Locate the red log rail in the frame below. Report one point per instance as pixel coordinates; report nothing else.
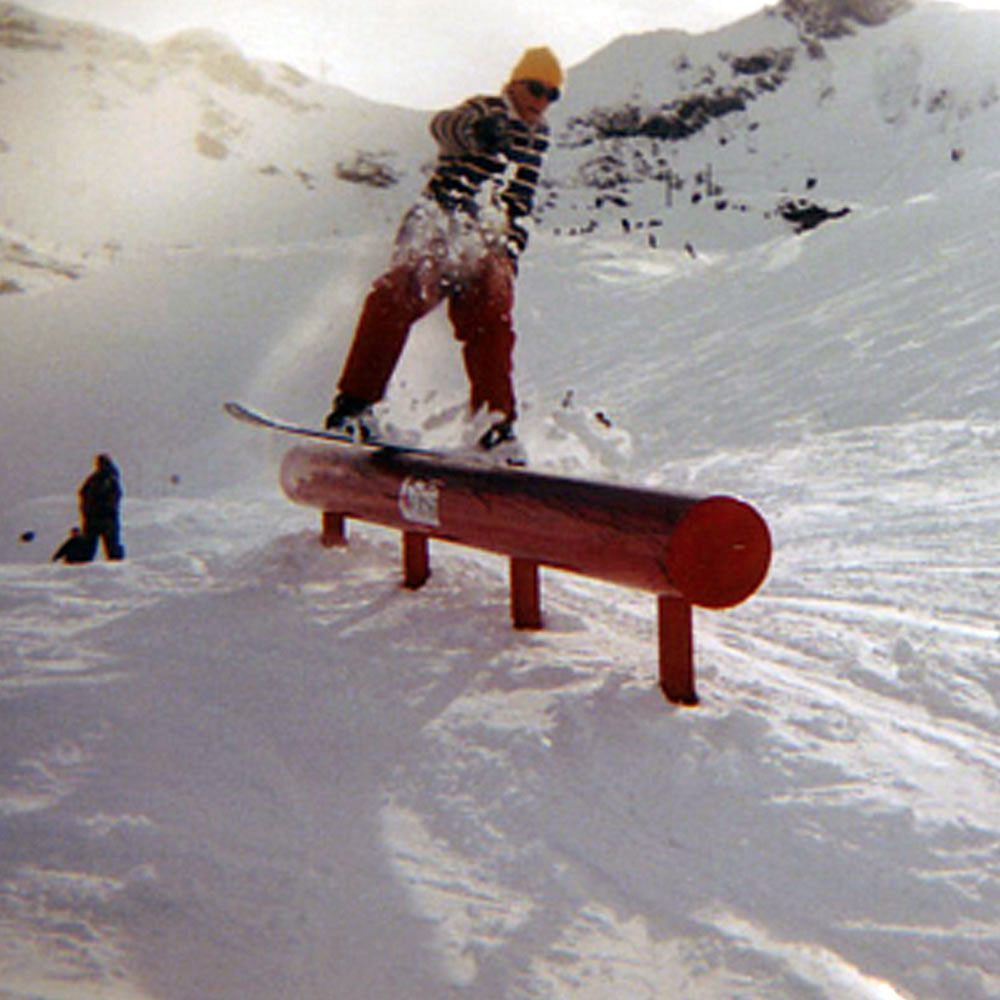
(709, 552)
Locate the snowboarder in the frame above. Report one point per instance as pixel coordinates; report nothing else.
(76, 548)
(461, 242)
(100, 496)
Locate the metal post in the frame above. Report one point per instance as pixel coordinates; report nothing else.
(416, 563)
(333, 533)
(525, 604)
(676, 650)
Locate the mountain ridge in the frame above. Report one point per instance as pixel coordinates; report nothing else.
(110, 131)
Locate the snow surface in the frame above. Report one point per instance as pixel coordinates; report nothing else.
(239, 766)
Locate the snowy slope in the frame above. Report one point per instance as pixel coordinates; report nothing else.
(113, 147)
(240, 766)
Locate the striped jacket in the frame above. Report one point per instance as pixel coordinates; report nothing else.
(510, 173)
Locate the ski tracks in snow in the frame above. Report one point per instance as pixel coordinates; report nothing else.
(529, 818)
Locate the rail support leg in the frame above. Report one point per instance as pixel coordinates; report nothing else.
(676, 650)
(525, 604)
(416, 563)
(332, 533)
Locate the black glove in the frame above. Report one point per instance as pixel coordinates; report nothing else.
(490, 134)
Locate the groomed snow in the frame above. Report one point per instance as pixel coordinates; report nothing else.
(240, 766)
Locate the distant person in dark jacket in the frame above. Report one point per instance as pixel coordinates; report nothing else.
(100, 496)
(76, 548)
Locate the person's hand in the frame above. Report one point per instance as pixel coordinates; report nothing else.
(490, 134)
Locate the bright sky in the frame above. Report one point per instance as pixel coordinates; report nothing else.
(418, 53)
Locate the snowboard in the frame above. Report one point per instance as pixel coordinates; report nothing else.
(257, 419)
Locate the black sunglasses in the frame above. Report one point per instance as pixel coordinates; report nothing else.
(538, 89)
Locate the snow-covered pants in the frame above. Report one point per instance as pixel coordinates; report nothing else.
(478, 282)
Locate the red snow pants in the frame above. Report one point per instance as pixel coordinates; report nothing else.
(479, 308)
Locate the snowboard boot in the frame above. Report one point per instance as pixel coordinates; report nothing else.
(501, 444)
(353, 418)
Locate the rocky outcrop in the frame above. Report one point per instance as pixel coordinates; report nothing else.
(835, 18)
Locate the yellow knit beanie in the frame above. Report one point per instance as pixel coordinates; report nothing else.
(538, 64)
